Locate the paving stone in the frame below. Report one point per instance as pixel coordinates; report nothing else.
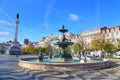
(9, 70)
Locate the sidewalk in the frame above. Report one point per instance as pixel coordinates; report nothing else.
(9, 70)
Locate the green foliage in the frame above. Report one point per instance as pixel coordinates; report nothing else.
(98, 42)
(28, 50)
(88, 49)
(36, 50)
(94, 44)
(33, 50)
(77, 47)
(43, 49)
(109, 48)
(118, 43)
(47, 49)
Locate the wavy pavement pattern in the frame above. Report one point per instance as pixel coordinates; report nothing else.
(9, 70)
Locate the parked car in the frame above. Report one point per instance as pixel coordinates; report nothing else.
(117, 54)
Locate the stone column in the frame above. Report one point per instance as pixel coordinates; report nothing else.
(16, 28)
(14, 48)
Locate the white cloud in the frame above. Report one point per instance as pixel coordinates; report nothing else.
(5, 22)
(48, 11)
(4, 33)
(73, 17)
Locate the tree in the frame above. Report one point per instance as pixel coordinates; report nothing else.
(98, 42)
(95, 44)
(118, 43)
(77, 47)
(36, 50)
(48, 49)
(24, 50)
(28, 50)
(109, 48)
(32, 50)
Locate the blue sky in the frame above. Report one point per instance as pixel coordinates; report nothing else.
(39, 18)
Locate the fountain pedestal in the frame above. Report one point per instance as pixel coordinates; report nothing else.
(63, 56)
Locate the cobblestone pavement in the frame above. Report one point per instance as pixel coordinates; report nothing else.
(9, 70)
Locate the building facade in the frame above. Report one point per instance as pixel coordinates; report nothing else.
(112, 34)
(84, 38)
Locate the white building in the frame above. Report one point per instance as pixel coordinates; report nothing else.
(89, 35)
(112, 34)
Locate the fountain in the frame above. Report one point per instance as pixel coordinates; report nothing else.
(63, 56)
(62, 61)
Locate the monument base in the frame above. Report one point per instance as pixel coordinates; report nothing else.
(14, 49)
